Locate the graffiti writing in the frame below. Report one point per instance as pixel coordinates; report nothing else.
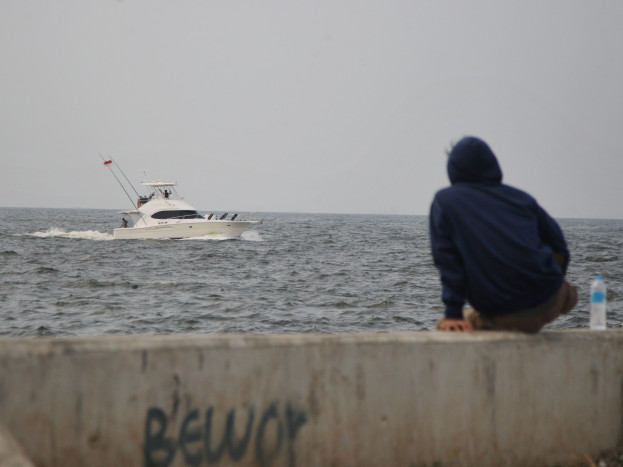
(266, 437)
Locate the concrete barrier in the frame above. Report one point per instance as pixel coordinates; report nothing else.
(412, 399)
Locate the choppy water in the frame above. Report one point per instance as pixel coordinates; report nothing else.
(62, 274)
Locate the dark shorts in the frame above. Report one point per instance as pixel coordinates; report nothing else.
(530, 320)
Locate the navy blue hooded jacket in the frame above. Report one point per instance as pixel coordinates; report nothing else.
(492, 243)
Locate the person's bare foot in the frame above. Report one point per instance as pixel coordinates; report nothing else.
(446, 324)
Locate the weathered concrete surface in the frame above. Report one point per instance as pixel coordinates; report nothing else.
(422, 399)
(11, 453)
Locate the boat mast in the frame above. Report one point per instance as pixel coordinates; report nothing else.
(126, 178)
(108, 163)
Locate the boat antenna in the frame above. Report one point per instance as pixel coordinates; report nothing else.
(108, 163)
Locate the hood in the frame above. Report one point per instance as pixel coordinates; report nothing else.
(472, 160)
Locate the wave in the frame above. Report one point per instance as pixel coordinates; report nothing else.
(249, 236)
(213, 237)
(45, 270)
(54, 232)
(74, 234)
(601, 259)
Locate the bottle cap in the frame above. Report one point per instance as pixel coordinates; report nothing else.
(599, 277)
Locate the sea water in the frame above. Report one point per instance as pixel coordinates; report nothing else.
(64, 275)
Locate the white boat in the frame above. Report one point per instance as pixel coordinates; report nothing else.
(164, 214)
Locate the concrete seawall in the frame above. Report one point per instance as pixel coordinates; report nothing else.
(411, 399)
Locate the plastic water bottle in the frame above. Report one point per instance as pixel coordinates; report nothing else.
(598, 304)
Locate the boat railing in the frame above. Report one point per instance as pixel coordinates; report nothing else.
(222, 217)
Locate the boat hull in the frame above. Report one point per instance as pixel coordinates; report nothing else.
(217, 228)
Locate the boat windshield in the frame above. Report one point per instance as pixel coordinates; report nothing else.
(184, 214)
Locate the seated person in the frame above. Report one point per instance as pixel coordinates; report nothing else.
(496, 248)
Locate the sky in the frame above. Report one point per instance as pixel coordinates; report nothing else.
(319, 106)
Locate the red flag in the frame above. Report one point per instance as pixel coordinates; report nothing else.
(108, 162)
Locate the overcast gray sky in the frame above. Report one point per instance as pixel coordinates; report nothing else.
(309, 106)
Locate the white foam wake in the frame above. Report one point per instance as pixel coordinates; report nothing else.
(77, 234)
(214, 237)
(251, 236)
